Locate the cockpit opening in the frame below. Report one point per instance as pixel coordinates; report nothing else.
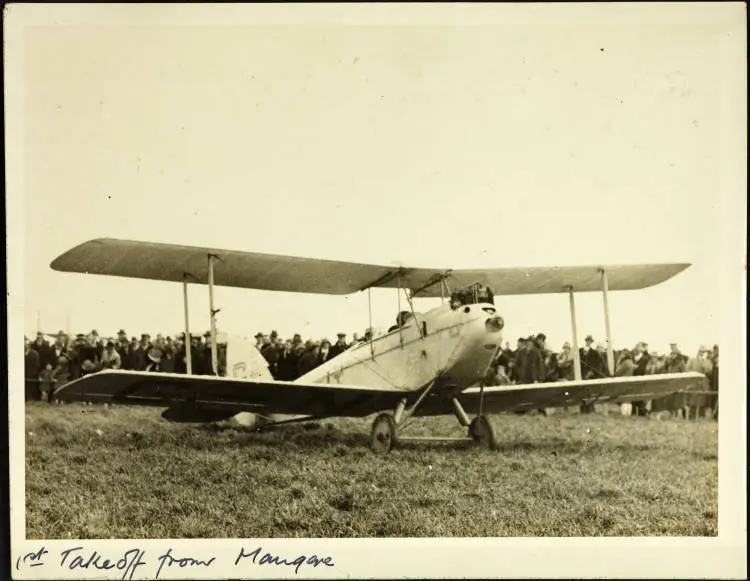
(471, 295)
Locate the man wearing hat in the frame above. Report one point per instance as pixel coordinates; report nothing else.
(122, 346)
(565, 363)
(529, 365)
(591, 363)
(271, 353)
(140, 355)
(259, 341)
(43, 349)
(58, 348)
(549, 357)
(641, 358)
(340, 346)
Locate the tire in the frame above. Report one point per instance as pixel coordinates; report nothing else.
(482, 432)
(384, 434)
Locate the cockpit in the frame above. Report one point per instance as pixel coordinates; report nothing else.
(471, 295)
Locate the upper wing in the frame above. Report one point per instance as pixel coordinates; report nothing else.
(223, 394)
(170, 262)
(567, 393)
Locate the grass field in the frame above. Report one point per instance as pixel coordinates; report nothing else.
(116, 472)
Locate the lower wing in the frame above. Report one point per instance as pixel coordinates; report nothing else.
(567, 393)
(208, 398)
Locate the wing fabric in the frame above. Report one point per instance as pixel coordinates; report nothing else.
(170, 262)
(567, 393)
(227, 394)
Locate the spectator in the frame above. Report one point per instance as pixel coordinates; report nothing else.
(549, 358)
(515, 359)
(309, 359)
(61, 374)
(58, 349)
(715, 381)
(565, 362)
(46, 382)
(140, 355)
(110, 358)
(324, 352)
(288, 362)
(701, 363)
(529, 364)
(168, 359)
(271, 353)
(340, 346)
(43, 349)
(154, 356)
(32, 368)
(591, 361)
(625, 365)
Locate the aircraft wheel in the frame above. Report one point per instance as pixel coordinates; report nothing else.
(383, 435)
(482, 432)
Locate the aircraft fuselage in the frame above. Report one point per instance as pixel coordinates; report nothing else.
(454, 346)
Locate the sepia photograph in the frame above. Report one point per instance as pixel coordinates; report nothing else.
(299, 279)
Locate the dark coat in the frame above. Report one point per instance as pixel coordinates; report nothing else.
(529, 366)
(287, 366)
(44, 350)
(642, 364)
(593, 365)
(140, 358)
(307, 362)
(33, 364)
(338, 348)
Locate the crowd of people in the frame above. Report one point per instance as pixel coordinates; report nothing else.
(534, 362)
(50, 365)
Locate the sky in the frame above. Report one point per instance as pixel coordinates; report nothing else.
(586, 137)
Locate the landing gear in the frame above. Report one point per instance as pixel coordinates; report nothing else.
(482, 432)
(386, 427)
(384, 433)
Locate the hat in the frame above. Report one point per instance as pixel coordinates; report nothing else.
(207, 334)
(61, 334)
(341, 334)
(274, 333)
(566, 344)
(145, 336)
(589, 339)
(93, 332)
(542, 336)
(258, 335)
(121, 332)
(39, 334)
(155, 354)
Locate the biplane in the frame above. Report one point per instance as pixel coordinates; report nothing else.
(433, 363)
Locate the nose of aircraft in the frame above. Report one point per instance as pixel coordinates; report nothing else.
(494, 324)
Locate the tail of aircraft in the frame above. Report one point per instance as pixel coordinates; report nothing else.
(245, 361)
